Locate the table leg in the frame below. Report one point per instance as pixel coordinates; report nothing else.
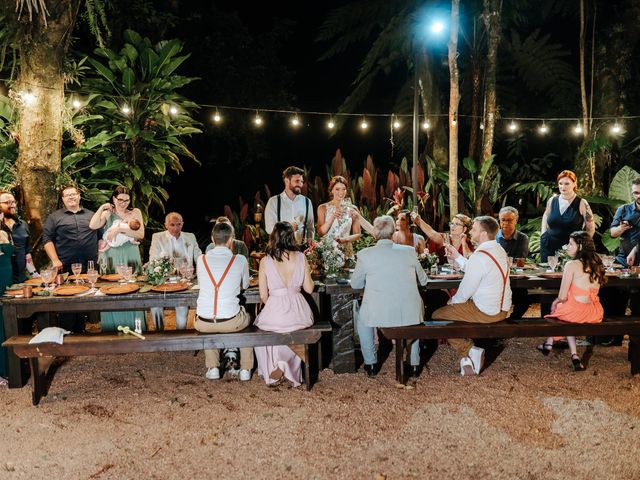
(634, 354)
(401, 345)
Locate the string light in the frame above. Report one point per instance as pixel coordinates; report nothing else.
(453, 122)
(512, 126)
(216, 117)
(482, 126)
(577, 129)
(616, 128)
(364, 125)
(257, 120)
(125, 109)
(395, 123)
(75, 103)
(173, 110)
(295, 121)
(426, 125)
(543, 129)
(331, 124)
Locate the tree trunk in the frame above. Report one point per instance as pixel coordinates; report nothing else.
(454, 101)
(42, 49)
(431, 105)
(491, 19)
(476, 102)
(583, 83)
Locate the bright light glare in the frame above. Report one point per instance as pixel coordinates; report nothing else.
(513, 127)
(578, 129)
(364, 125)
(295, 121)
(125, 110)
(217, 118)
(258, 120)
(396, 125)
(76, 103)
(437, 27)
(543, 129)
(330, 125)
(173, 110)
(426, 125)
(616, 129)
(28, 98)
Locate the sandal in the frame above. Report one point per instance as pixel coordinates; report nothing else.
(577, 363)
(545, 348)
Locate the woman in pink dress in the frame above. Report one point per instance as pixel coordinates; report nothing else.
(284, 271)
(578, 300)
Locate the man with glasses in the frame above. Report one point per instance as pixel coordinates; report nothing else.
(175, 243)
(626, 226)
(516, 244)
(18, 232)
(68, 239)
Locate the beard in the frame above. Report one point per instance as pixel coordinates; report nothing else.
(12, 216)
(296, 190)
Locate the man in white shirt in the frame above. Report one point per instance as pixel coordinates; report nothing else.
(484, 295)
(174, 243)
(221, 276)
(290, 206)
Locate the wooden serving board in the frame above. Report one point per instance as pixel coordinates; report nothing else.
(111, 277)
(19, 291)
(120, 289)
(550, 275)
(69, 290)
(170, 287)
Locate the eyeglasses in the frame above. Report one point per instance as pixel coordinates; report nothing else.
(70, 195)
(455, 224)
(10, 203)
(123, 200)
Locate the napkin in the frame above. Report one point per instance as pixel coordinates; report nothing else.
(50, 335)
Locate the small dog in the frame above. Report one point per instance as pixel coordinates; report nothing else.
(231, 361)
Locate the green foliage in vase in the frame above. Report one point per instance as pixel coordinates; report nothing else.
(131, 129)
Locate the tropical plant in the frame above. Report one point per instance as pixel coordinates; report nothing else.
(8, 146)
(130, 130)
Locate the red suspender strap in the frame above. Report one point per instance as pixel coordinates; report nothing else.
(505, 276)
(216, 286)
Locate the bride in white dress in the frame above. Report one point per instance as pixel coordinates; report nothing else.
(338, 218)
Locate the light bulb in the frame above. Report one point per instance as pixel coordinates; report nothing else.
(396, 124)
(330, 125)
(295, 121)
(482, 126)
(173, 110)
(426, 125)
(616, 128)
(364, 125)
(217, 118)
(453, 122)
(578, 129)
(76, 103)
(543, 129)
(125, 110)
(257, 120)
(513, 127)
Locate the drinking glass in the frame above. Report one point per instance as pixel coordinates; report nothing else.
(552, 260)
(188, 272)
(127, 273)
(91, 265)
(76, 268)
(447, 238)
(607, 261)
(92, 276)
(102, 265)
(120, 271)
(48, 275)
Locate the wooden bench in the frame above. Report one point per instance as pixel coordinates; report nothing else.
(41, 355)
(511, 328)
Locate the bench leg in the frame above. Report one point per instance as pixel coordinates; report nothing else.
(634, 354)
(401, 345)
(307, 369)
(37, 381)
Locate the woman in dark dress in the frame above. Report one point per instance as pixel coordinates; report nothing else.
(6, 277)
(565, 213)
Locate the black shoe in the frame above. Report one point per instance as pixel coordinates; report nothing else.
(414, 371)
(577, 364)
(371, 370)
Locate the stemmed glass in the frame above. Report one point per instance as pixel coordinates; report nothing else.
(187, 272)
(447, 241)
(76, 268)
(127, 272)
(92, 276)
(553, 260)
(607, 261)
(48, 275)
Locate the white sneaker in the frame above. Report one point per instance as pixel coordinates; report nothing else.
(476, 354)
(245, 375)
(213, 374)
(466, 366)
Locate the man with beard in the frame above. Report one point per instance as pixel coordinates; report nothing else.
(18, 231)
(290, 206)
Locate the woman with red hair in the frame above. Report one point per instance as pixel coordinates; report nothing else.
(565, 213)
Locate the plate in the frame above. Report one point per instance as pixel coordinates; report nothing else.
(111, 277)
(33, 281)
(120, 289)
(20, 291)
(446, 276)
(170, 287)
(517, 276)
(551, 275)
(253, 282)
(68, 290)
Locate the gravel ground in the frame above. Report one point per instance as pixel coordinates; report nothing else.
(156, 416)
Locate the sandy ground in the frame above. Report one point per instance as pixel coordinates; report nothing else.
(156, 416)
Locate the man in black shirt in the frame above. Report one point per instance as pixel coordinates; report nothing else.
(68, 239)
(18, 231)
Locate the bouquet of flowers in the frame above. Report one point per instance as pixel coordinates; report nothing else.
(326, 254)
(563, 258)
(427, 260)
(158, 269)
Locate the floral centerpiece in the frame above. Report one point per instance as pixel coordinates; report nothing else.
(563, 258)
(326, 255)
(158, 270)
(427, 260)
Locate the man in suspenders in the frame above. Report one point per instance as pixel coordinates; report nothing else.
(221, 276)
(484, 294)
(291, 206)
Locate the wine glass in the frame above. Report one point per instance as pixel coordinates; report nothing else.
(120, 271)
(76, 268)
(91, 265)
(188, 272)
(48, 275)
(127, 273)
(607, 261)
(92, 276)
(552, 260)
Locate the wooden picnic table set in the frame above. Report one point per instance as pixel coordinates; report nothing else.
(333, 330)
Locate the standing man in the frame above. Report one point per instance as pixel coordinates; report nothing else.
(516, 244)
(389, 274)
(68, 239)
(484, 295)
(291, 206)
(221, 276)
(175, 243)
(18, 232)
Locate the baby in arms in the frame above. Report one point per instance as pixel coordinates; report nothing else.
(120, 239)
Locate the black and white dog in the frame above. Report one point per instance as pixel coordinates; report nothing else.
(231, 361)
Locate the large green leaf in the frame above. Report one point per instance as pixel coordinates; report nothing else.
(128, 80)
(103, 70)
(620, 188)
(610, 243)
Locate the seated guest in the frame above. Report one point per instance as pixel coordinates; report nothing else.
(221, 276)
(403, 234)
(484, 294)
(458, 236)
(238, 247)
(578, 300)
(516, 244)
(388, 273)
(283, 272)
(174, 243)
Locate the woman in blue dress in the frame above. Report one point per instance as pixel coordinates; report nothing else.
(120, 211)
(6, 276)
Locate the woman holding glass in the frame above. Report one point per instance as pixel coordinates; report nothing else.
(459, 226)
(126, 254)
(565, 213)
(338, 218)
(403, 234)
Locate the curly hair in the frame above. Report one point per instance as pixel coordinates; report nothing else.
(335, 180)
(281, 241)
(591, 261)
